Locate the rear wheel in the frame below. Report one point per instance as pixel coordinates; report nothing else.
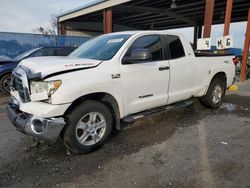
(215, 93)
(5, 82)
(88, 127)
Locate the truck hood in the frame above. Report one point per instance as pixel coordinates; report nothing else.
(46, 66)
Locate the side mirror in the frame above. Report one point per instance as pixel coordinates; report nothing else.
(138, 56)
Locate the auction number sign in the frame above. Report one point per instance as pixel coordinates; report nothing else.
(221, 43)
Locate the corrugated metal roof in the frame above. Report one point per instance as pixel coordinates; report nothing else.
(158, 14)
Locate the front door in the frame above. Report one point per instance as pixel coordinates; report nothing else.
(145, 84)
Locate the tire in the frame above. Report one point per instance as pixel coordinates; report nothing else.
(215, 93)
(88, 126)
(5, 83)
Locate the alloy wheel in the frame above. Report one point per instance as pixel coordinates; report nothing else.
(90, 129)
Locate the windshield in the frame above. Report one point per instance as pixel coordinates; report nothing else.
(25, 54)
(101, 48)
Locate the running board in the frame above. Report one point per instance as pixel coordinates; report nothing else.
(133, 117)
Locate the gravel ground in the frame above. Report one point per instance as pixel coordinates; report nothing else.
(191, 147)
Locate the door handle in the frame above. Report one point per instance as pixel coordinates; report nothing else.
(163, 68)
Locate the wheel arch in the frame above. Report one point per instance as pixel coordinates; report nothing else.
(2, 74)
(207, 99)
(220, 75)
(105, 98)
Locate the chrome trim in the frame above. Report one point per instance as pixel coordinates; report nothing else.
(51, 127)
(21, 74)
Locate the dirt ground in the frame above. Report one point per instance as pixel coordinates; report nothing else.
(191, 147)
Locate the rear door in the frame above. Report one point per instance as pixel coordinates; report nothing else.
(183, 71)
(145, 84)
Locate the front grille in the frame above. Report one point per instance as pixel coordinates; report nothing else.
(19, 84)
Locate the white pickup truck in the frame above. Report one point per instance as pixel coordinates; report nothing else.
(110, 79)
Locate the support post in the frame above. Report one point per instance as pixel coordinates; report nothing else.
(208, 20)
(104, 21)
(197, 35)
(199, 31)
(62, 29)
(107, 21)
(243, 72)
(228, 17)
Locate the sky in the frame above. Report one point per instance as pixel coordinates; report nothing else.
(25, 16)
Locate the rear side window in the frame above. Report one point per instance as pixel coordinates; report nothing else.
(175, 47)
(151, 42)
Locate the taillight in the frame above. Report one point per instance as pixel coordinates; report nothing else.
(235, 61)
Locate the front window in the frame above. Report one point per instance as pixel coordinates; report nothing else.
(150, 42)
(101, 48)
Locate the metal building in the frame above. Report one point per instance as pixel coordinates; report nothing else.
(104, 16)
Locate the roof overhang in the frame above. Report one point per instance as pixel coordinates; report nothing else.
(157, 14)
(96, 7)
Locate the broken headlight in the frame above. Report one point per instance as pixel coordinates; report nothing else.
(42, 86)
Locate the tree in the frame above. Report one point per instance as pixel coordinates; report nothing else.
(49, 30)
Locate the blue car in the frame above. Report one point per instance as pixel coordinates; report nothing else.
(8, 64)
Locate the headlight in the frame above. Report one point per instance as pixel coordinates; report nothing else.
(42, 86)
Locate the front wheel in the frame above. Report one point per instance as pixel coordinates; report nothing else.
(215, 94)
(88, 127)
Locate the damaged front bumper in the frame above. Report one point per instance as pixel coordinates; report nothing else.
(45, 128)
